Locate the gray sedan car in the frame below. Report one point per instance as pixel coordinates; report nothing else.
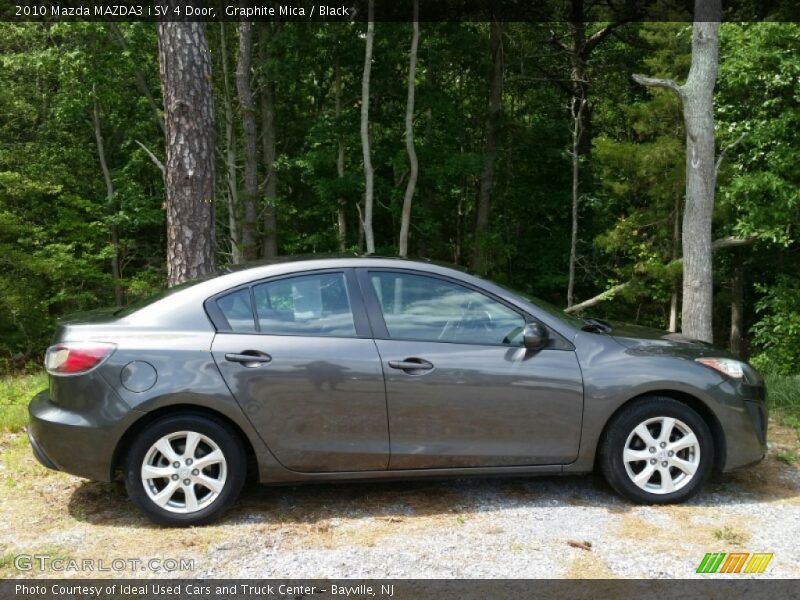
(369, 368)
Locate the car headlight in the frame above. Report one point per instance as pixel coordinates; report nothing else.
(734, 369)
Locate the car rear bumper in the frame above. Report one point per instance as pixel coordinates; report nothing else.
(74, 442)
(39, 453)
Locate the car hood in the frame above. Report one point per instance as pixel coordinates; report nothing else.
(646, 340)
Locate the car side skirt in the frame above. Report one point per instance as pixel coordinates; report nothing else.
(286, 477)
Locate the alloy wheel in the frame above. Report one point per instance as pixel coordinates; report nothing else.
(184, 472)
(661, 455)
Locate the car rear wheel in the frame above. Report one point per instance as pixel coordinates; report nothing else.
(657, 451)
(185, 470)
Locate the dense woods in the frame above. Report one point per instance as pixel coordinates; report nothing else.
(525, 151)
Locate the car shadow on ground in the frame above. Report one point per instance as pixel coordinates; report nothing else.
(107, 503)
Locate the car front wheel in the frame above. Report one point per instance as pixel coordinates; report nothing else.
(185, 470)
(657, 451)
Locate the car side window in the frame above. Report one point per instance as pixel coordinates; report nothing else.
(419, 307)
(238, 311)
(316, 305)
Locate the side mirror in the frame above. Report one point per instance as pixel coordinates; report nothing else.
(534, 336)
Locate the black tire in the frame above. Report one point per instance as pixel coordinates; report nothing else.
(621, 427)
(228, 443)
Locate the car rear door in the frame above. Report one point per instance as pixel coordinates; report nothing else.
(461, 389)
(297, 354)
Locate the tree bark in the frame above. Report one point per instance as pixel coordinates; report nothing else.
(676, 242)
(230, 155)
(360, 211)
(578, 56)
(365, 144)
(697, 96)
(489, 146)
(737, 312)
(185, 71)
(249, 138)
(269, 246)
(580, 145)
(701, 179)
(405, 220)
(341, 215)
(116, 270)
(577, 132)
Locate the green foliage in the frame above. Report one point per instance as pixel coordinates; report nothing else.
(777, 333)
(55, 219)
(783, 398)
(638, 168)
(758, 99)
(16, 391)
(58, 226)
(758, 104)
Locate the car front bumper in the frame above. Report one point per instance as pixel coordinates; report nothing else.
(743, 414)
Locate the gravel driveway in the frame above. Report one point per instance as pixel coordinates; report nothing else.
(492, 528)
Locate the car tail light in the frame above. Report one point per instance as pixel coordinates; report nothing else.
(71, 358)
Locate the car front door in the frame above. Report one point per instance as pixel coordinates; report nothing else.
(461, 389)
(297, 354)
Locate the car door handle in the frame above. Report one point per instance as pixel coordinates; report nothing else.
(249, 358)
(411, 364)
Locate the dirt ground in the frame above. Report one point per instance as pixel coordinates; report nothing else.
(532, 527)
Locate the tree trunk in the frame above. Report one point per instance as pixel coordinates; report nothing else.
(185, 70)
(737, 312)
(428, 193)
(365, 145)
(341, 215)
(676, 243)
(230, 155)
(405, 221)
(116, 271)
(579, 50)
(489, 146)
(578, 55)
(698, 281)
(697, 96)
(249, 138)
(577, 132)
(360, 211)
(268, 142)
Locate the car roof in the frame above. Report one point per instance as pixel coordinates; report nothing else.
(242, 274)
(182, 307)
(337, 259)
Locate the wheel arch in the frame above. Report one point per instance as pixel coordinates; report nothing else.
(139, 425)
(693, 402)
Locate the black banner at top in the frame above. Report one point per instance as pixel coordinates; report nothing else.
(396, 10)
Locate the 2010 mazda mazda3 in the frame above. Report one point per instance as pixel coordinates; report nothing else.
(370, 368)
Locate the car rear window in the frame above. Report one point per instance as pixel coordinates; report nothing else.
(315, 305)
(238, 311)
